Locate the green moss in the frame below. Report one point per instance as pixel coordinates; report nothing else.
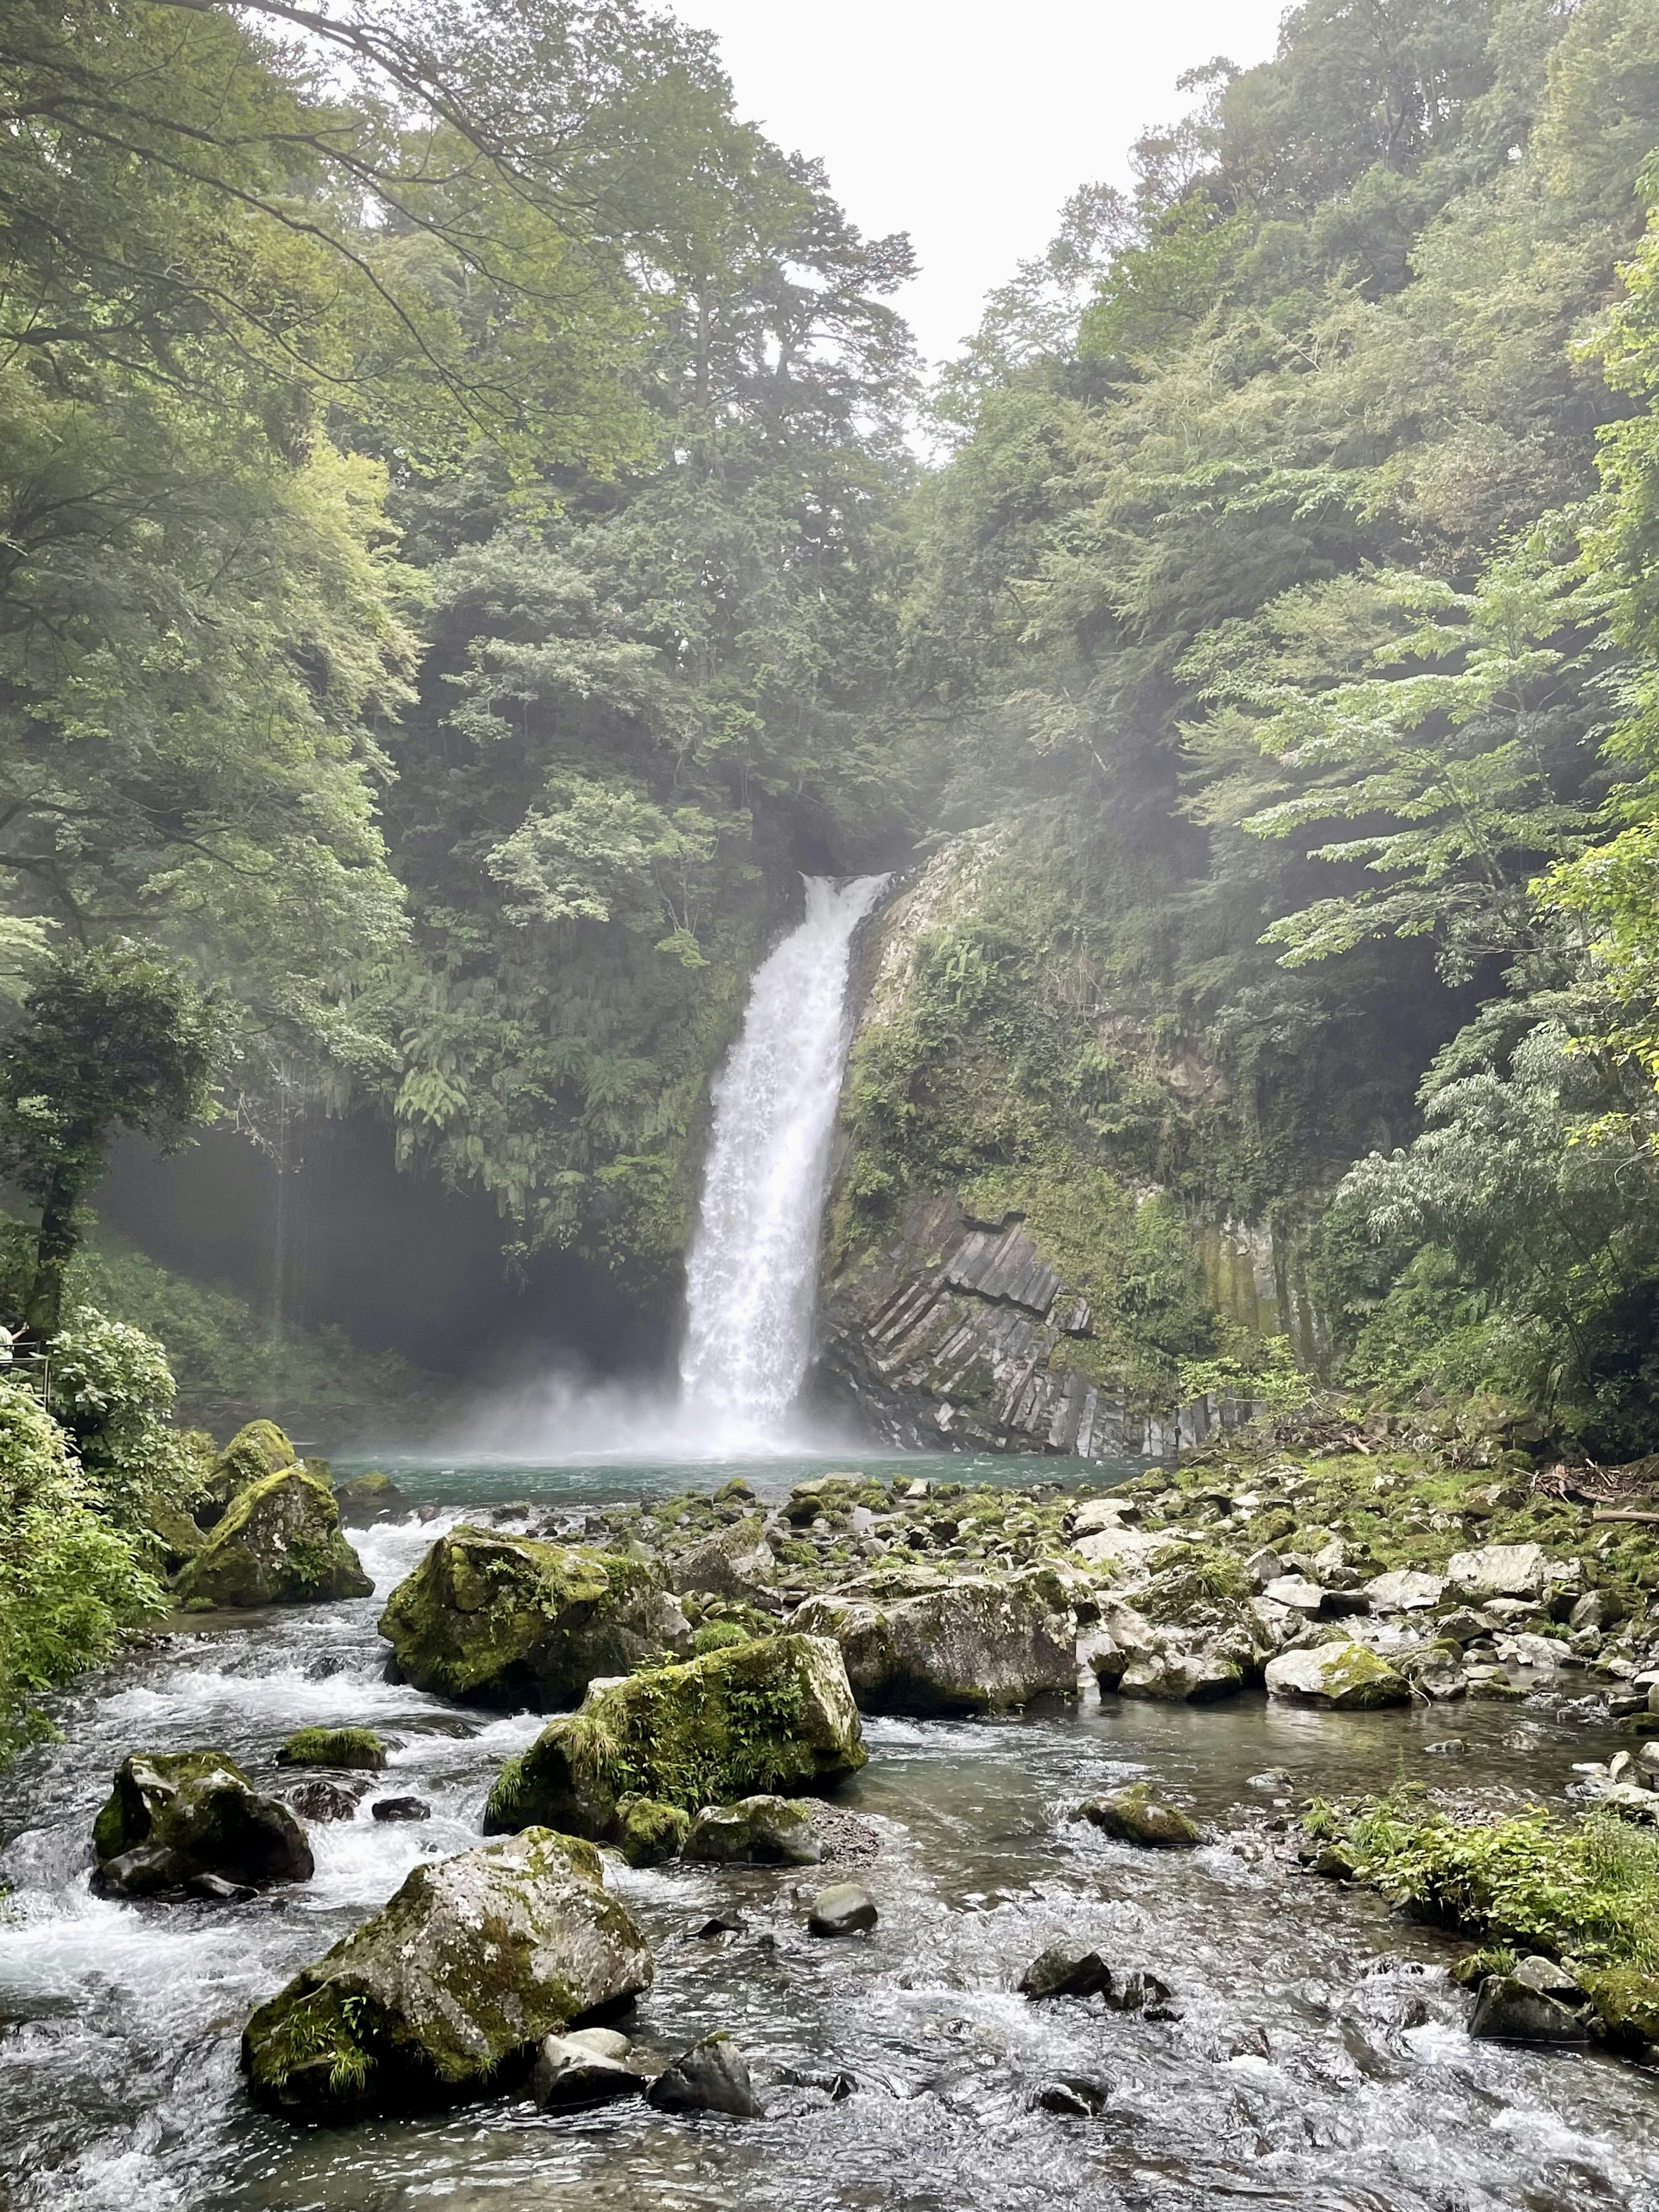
(649, 1832)
(279, 1543)
(334, 1746)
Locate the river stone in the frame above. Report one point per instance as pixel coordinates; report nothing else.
(173, 1815)
(336, 1747)
(1540, 2002)
(1295, 1591)
(571, 2074)
(1405, 1591)
(367, 1499)
(278, 1543)
(400, 1808)
(712, 2076)
(1499, 1570)
(1075, 2096)
(447, 1992)
(734, 1562)
(1135, 1816)
(969, 1645)
(1118, 1549)
(1067, 1970)
(754, 1831)
(1344, 1675)
(845, 1908)
(773, 1716)
(1201, 1648)
(496, 1619)
(321, 1800)
(1100, 1514)
(646, 1832)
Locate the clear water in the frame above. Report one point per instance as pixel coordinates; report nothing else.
(1319, 2060)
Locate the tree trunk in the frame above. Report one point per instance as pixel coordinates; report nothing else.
(54, 1248)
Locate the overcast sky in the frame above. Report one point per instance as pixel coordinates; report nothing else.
(967, 124)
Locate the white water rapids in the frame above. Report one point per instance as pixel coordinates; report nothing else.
(753, 1264)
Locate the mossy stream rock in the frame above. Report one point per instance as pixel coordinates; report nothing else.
(334, 1746)
(173, 1817)
(255, 1451)
(972, 1645)
(367, 1499)
(772, 1716)
(508, 1620)
(279, 1543)
(447, 1992)
(1346, 1675)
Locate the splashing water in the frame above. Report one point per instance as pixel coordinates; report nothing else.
(753, 1264)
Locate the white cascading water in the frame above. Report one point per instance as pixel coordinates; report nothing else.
(753, 1264)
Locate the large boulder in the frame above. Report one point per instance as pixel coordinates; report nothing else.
(448, 1992)
(1403, 1590)
(508, 1620)
(369, 1497)
(966, 1646)
(756, 1831)
(255, 1451)
(174, 1818)
(1183, 1640)
(772, 1716)
(1499, 1570)
(734, 1562)
(277, 1543)
(1346, 1675)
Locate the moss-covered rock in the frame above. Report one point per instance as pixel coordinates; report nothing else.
(508, 1620)
(178, 1536)
(649, 1832)
(173, 1816)
(1626, 2001)
(255, 1451)
(1344, 1675)
(971, 1644)
(1135, 1816)
(773, 1717)
(334, 1746)
(447, 1992)
(766, 1830)
(367, 1499)
(278, 1543)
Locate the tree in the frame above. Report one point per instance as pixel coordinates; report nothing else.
(110, 1039)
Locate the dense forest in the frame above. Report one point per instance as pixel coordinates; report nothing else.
(475, 529)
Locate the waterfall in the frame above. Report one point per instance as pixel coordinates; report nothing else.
(753, 1263)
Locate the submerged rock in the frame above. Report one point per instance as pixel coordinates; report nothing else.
(1075, 2096)
(1065, 1970)
(971, 1644)
(846, 1908)
(1347, 1675)
(491, 1618)
(322, 1800)
(448, 1992)
(174, 1815)
(278, 1543)
(712, 2076)
(584, 2069)
(1135, 1816)
(764, 1830)
(775, 1715)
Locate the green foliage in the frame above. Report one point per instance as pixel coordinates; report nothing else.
(1588, 1891)
(109, 1039)
(69, 1581)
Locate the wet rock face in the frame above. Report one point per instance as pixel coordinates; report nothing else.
(496, 1619)
(774, 1716)
(949, 1334)
(1344, 1675)
(712, 2076)
(845, 1908)
(277, 1543)
(970, 1646)
(1538, 2002)
(175, 1816)
(449, 1990)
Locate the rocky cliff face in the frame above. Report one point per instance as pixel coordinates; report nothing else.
(1032, 1323)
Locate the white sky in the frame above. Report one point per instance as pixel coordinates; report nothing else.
(967, 124)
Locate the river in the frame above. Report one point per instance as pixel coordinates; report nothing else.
(1319, 2059)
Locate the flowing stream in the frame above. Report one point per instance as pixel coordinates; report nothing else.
(753, 1263)
(1319, 2061)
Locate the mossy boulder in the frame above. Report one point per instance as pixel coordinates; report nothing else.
(334, 1746)
(259, 1449)
(178, 1536)
(366, 1498)
(766, 1830)
(504, 1620)
(1135, 1816)
(969, 1645)
(446, 1993)
(773, 1716)
(1344, 1675)
(278, 1543)
(173, 1817)
(649, 1832)
(1627, 2003)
